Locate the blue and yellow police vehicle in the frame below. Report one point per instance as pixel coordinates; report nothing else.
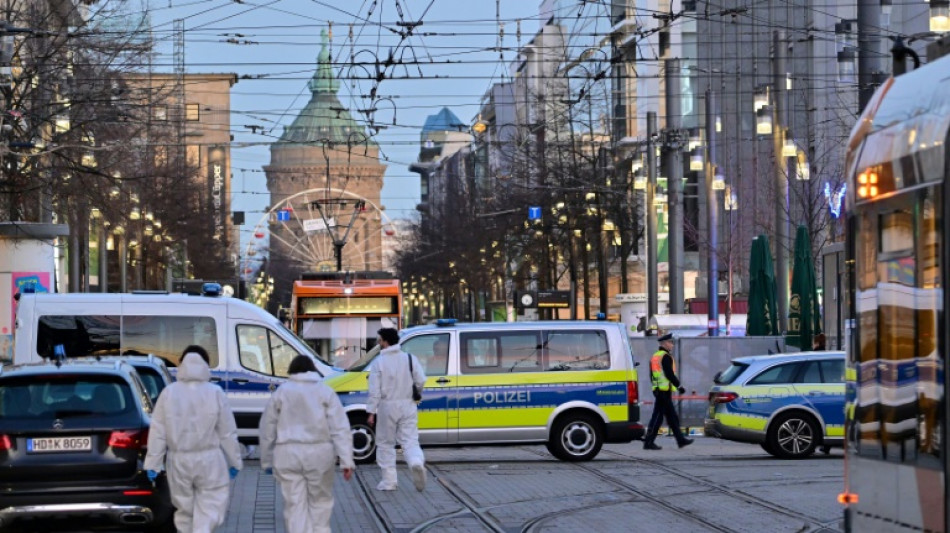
(569, 384)
(790, 404)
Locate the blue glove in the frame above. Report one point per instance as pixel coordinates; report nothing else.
(269, 471)
(152, 474)
(233, 472)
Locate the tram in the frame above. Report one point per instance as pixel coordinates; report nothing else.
(898, 225)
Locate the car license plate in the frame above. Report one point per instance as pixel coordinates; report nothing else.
(59, 444)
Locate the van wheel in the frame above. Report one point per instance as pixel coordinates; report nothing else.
(576, 437)
(793, 436)
(364, 439)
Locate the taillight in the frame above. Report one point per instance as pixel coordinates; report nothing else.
(5, 443)
(633, 395)
(722, 397)
(132, 439)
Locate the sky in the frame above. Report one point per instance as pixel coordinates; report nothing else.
(277, 42)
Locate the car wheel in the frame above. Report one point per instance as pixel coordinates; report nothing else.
(767, 447)
(364, 439)
(793, 435)
(576, 437)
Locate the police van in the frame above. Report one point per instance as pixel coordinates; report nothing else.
(569, 384)
(250, 349)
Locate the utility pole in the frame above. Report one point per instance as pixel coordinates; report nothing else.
(652, 285)
(779, 76)
(673, 163)
(712, 219)
(869, 37)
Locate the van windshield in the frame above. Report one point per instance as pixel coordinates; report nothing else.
(302, 344)
(363, 362)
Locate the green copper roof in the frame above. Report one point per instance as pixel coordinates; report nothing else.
(324, 118)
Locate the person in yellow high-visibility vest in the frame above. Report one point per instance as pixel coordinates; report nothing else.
(664, 381)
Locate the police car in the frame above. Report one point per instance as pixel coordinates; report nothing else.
(569, 384)
(790, 404)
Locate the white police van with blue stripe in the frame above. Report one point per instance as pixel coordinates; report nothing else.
(249, 348)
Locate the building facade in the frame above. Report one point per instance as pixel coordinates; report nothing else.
(326, 175)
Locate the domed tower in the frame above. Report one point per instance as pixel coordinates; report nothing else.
(325, 177)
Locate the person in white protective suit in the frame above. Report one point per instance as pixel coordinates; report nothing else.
(303, 425)
(393, 411)
(194, 437)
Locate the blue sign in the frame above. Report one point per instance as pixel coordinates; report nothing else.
(283, 215)
(534, 213)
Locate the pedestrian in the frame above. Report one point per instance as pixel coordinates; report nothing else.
(303, 431)
(393, 411)
(193, 436)
(664, 380)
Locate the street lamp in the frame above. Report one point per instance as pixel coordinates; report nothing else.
(940, 16)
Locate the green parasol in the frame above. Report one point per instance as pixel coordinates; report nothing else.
(804, 317)
(761, 314)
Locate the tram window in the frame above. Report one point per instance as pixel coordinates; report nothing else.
(929, 360)
(866, 250)
(897, 232)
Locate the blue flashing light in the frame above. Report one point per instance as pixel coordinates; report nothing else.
(446, 322)
(601, 316)
(211, 289)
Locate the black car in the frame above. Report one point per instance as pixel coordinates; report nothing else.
(152, 370)
(72, 444)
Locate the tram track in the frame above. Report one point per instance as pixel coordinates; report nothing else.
(622, 493)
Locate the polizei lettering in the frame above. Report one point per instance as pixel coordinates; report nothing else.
(503, 397)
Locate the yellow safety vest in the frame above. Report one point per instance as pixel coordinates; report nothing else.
(657, 377)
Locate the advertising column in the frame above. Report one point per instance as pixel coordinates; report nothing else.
(26, 259)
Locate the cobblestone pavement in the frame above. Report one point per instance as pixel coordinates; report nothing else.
(710, 486)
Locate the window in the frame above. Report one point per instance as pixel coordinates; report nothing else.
(832, 371)
(730, 374)
(577, 350)
(168, 336)
(80, 336)
(432, 351)
(160, 112)
(193, 155)
(91, 398)
(263, 351)
(779, 374)
(281, 353)
(252, 349)
(486, 352)
(192, 112)
(164, 336)
(811, 373)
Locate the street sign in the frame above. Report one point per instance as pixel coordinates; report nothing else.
(317, 224)
(554, 299)
(534, 213)
(283, 215)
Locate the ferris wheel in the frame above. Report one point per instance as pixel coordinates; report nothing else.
(305, 227)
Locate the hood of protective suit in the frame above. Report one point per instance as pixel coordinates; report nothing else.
(306, 377)
(193, 368)
(395, 348)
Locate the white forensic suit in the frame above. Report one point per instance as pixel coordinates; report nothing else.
(192, 423)
(303, 430)
(390, 399)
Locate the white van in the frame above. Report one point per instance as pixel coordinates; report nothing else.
(249, 348)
